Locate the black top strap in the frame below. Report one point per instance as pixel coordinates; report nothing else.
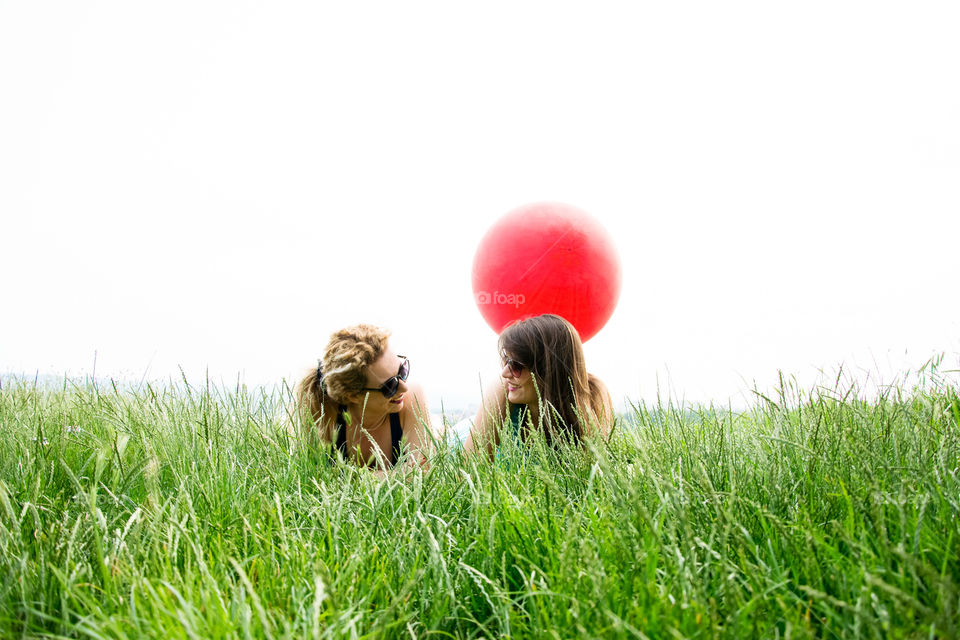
(396, 435)
(341, 431)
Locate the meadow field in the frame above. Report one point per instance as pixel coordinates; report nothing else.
(191, 512)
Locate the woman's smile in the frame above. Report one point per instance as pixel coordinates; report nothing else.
(518, 392)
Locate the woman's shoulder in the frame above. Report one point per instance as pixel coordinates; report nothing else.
(483, 435)
(416, 409)
(415, 402)
(601, 403)
(495, 396)
(595, 380)
(598, 387)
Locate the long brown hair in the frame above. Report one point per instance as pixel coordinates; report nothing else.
(569, 396)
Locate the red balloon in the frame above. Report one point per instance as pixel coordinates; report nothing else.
(547, 257)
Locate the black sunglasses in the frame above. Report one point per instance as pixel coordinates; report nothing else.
(389, 388)
(516, 368)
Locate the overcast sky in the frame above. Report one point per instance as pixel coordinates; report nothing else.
(218, 186)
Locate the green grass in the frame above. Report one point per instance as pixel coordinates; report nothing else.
(187, 513)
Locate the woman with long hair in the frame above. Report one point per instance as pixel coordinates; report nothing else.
(544, 388)
(360, 401)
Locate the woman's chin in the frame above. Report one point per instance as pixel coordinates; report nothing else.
(516, 397)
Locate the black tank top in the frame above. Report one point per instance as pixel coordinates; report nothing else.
(396, 433)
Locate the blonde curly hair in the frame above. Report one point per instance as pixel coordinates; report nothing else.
(340, 375)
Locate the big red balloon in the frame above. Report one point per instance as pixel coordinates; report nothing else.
(547, 257)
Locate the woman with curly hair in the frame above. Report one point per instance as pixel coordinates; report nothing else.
(544, 388)
(360, 401)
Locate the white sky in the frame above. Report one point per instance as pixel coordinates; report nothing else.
(218, 186)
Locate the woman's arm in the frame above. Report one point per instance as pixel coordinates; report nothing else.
(485, 436)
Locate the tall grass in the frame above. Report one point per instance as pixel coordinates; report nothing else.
(188, 512)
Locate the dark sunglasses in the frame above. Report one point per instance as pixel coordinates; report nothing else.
(516, 368)
(389, 388)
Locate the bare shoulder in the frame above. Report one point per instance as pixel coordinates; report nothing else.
(418, 431)
(602, 388)
(603, 405)
(415, 403)
(416, 409)
(494, 398)
(483, 435)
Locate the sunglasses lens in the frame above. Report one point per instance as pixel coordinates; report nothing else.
(515, 367)
(404, 370)
(390, 387)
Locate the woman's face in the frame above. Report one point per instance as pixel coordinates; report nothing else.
(518, 381)
(381, 371)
